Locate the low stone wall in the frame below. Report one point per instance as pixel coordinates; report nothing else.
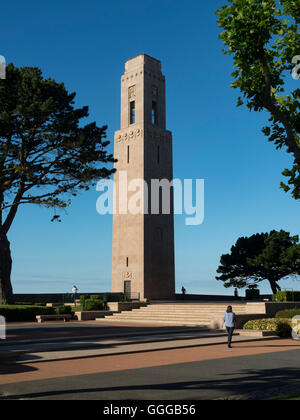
(216, 323)
(194, 297)
(91, 315)
(269, 309)
(124, 306)
(113, 307)
(215, 298)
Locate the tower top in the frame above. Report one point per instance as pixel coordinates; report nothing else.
(143, 60)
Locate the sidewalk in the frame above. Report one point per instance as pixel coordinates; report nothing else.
(70, 346)
(203, 372)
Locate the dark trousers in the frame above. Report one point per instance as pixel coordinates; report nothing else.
(230, 334)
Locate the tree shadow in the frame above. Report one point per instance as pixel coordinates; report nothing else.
(56, 331)
(11, 368)
(254, 383)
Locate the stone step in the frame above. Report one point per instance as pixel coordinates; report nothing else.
(183, 311)
(193, 320)
(111, 319)
(170, 313)
(168, 318)
(209, 310)
(136, 314)
(175, 313)
(190, 309)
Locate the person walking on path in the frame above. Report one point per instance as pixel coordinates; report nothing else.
(229, 320)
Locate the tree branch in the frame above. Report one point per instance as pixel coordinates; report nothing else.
(276, 111)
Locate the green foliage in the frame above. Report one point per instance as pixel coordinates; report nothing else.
(287, 296)
(116, 298)
(263, 37)
(123, 298)
(82, 300)
(92, 303)
(45, 152)
(94, 297)
(64, 309)
(265, 256)
(282, 327)
(22, 313)
(288, 313)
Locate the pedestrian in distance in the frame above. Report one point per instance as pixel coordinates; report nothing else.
(229, 320)
(74, 291)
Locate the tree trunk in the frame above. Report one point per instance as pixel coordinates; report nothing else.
(274, 286)
(6, 293)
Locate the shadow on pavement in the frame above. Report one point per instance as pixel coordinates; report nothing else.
(255, 383)
(87, 328)
(10, 368)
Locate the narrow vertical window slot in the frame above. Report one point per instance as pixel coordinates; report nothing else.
(132, 112)
(158, 154)
(154, 113)
(127, 154)
(127, 261)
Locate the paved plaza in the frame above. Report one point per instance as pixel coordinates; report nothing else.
(142, 362)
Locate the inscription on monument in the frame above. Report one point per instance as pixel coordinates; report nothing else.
(131, 92)
(127, 275)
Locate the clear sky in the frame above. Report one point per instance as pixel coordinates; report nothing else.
(85, 45)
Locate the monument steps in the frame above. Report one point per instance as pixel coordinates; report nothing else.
(166, 317)
(148, 321)
(199, 311)
(197, 314)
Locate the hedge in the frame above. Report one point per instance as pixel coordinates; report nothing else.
(64, 309)
(115, 298)
(288, 313)
(92, 303)
(287, 296)
(24, 312)
(282, 326)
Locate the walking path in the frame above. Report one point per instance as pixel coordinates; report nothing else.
(67, 357)
(104, 342)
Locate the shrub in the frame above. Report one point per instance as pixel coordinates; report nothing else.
(92, 303)
(112, 298)
(282, 327)
(83, 299)
(63, 309)
(287, 296)
(17, 313)
(288, 313)
(95, 297)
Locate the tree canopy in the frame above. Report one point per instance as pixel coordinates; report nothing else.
(263, 256)
(46, 154)
(264, 39)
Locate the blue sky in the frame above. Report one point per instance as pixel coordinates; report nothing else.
(85, 45)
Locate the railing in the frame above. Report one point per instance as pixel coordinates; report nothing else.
(69, 298)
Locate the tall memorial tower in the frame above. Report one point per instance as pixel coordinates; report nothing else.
(143, 241)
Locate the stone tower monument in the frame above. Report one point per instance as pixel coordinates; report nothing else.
(143, 242)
